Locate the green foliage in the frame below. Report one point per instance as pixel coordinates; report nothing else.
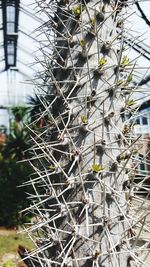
(36, 110)
(93, 21)
(77, 10)
(102, 62)
(84, 119)
(82, 43)
(125, 61)
(10, 242)
(97, 168)
(12, 173)
(130, 103)
(19, 112)
(12, 197)
(52, 167)
(129, 79)
(9, 264)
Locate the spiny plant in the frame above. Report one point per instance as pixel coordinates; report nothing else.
(85, 195)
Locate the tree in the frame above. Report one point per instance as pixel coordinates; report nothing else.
(84, 184)
(12, 174)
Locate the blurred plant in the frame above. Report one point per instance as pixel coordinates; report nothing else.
(12, 173)
(39, 117)
(9, 264)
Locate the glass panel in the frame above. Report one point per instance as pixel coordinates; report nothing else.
(148, 166)
(10, 59)
(10, 27)
(10, 48)
(142, 166)
(137, 120)
(144, 121)
(10, 13)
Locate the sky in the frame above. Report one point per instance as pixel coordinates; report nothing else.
(16, 86)
(137, 27)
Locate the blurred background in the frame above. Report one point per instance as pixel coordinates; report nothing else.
(19, 44)
(19, 48)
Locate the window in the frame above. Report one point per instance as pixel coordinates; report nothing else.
(142, 166)
(144, 120)
(10, 13)
(10, 27)
(10, 60)
(10, 48)
(148, 166)
(137, 120)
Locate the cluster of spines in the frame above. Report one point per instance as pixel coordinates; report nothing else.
(83, 182)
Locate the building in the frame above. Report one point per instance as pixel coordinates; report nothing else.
(18, 46)
(142, 129)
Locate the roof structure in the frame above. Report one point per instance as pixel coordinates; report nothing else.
(18, 45)
(10, 18)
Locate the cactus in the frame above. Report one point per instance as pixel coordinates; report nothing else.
(83, 181)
